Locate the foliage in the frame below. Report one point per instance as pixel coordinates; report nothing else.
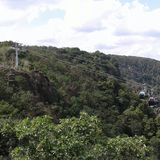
(62, 82)
(8, 139)
(75, 138)
(141, 70)
(127, 148)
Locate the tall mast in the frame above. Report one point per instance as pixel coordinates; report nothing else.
(17, 60)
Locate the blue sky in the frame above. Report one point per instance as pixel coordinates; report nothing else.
(46, 15)
(22, 4)
(152, 4)
(124, 27)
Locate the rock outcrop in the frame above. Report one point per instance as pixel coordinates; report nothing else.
(35, 82)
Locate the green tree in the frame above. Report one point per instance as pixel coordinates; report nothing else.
(127, 148)
(75, 138)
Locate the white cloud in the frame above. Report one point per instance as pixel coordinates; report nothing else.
(107, 25)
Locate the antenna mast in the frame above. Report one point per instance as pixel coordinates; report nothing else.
(17, 60)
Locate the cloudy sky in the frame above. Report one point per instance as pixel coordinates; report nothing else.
(126, 27)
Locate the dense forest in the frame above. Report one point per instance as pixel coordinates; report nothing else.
(140, 70)
(68, 104)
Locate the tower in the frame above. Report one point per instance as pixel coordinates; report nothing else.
(16, 58)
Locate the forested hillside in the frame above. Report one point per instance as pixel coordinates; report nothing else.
(64, 103)
(139, 69)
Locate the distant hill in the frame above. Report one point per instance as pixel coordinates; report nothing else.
(140, 70)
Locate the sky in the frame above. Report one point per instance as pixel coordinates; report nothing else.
(123, 27)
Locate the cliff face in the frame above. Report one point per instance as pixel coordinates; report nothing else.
(42, 87)
(27, 94)
(35, 82)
